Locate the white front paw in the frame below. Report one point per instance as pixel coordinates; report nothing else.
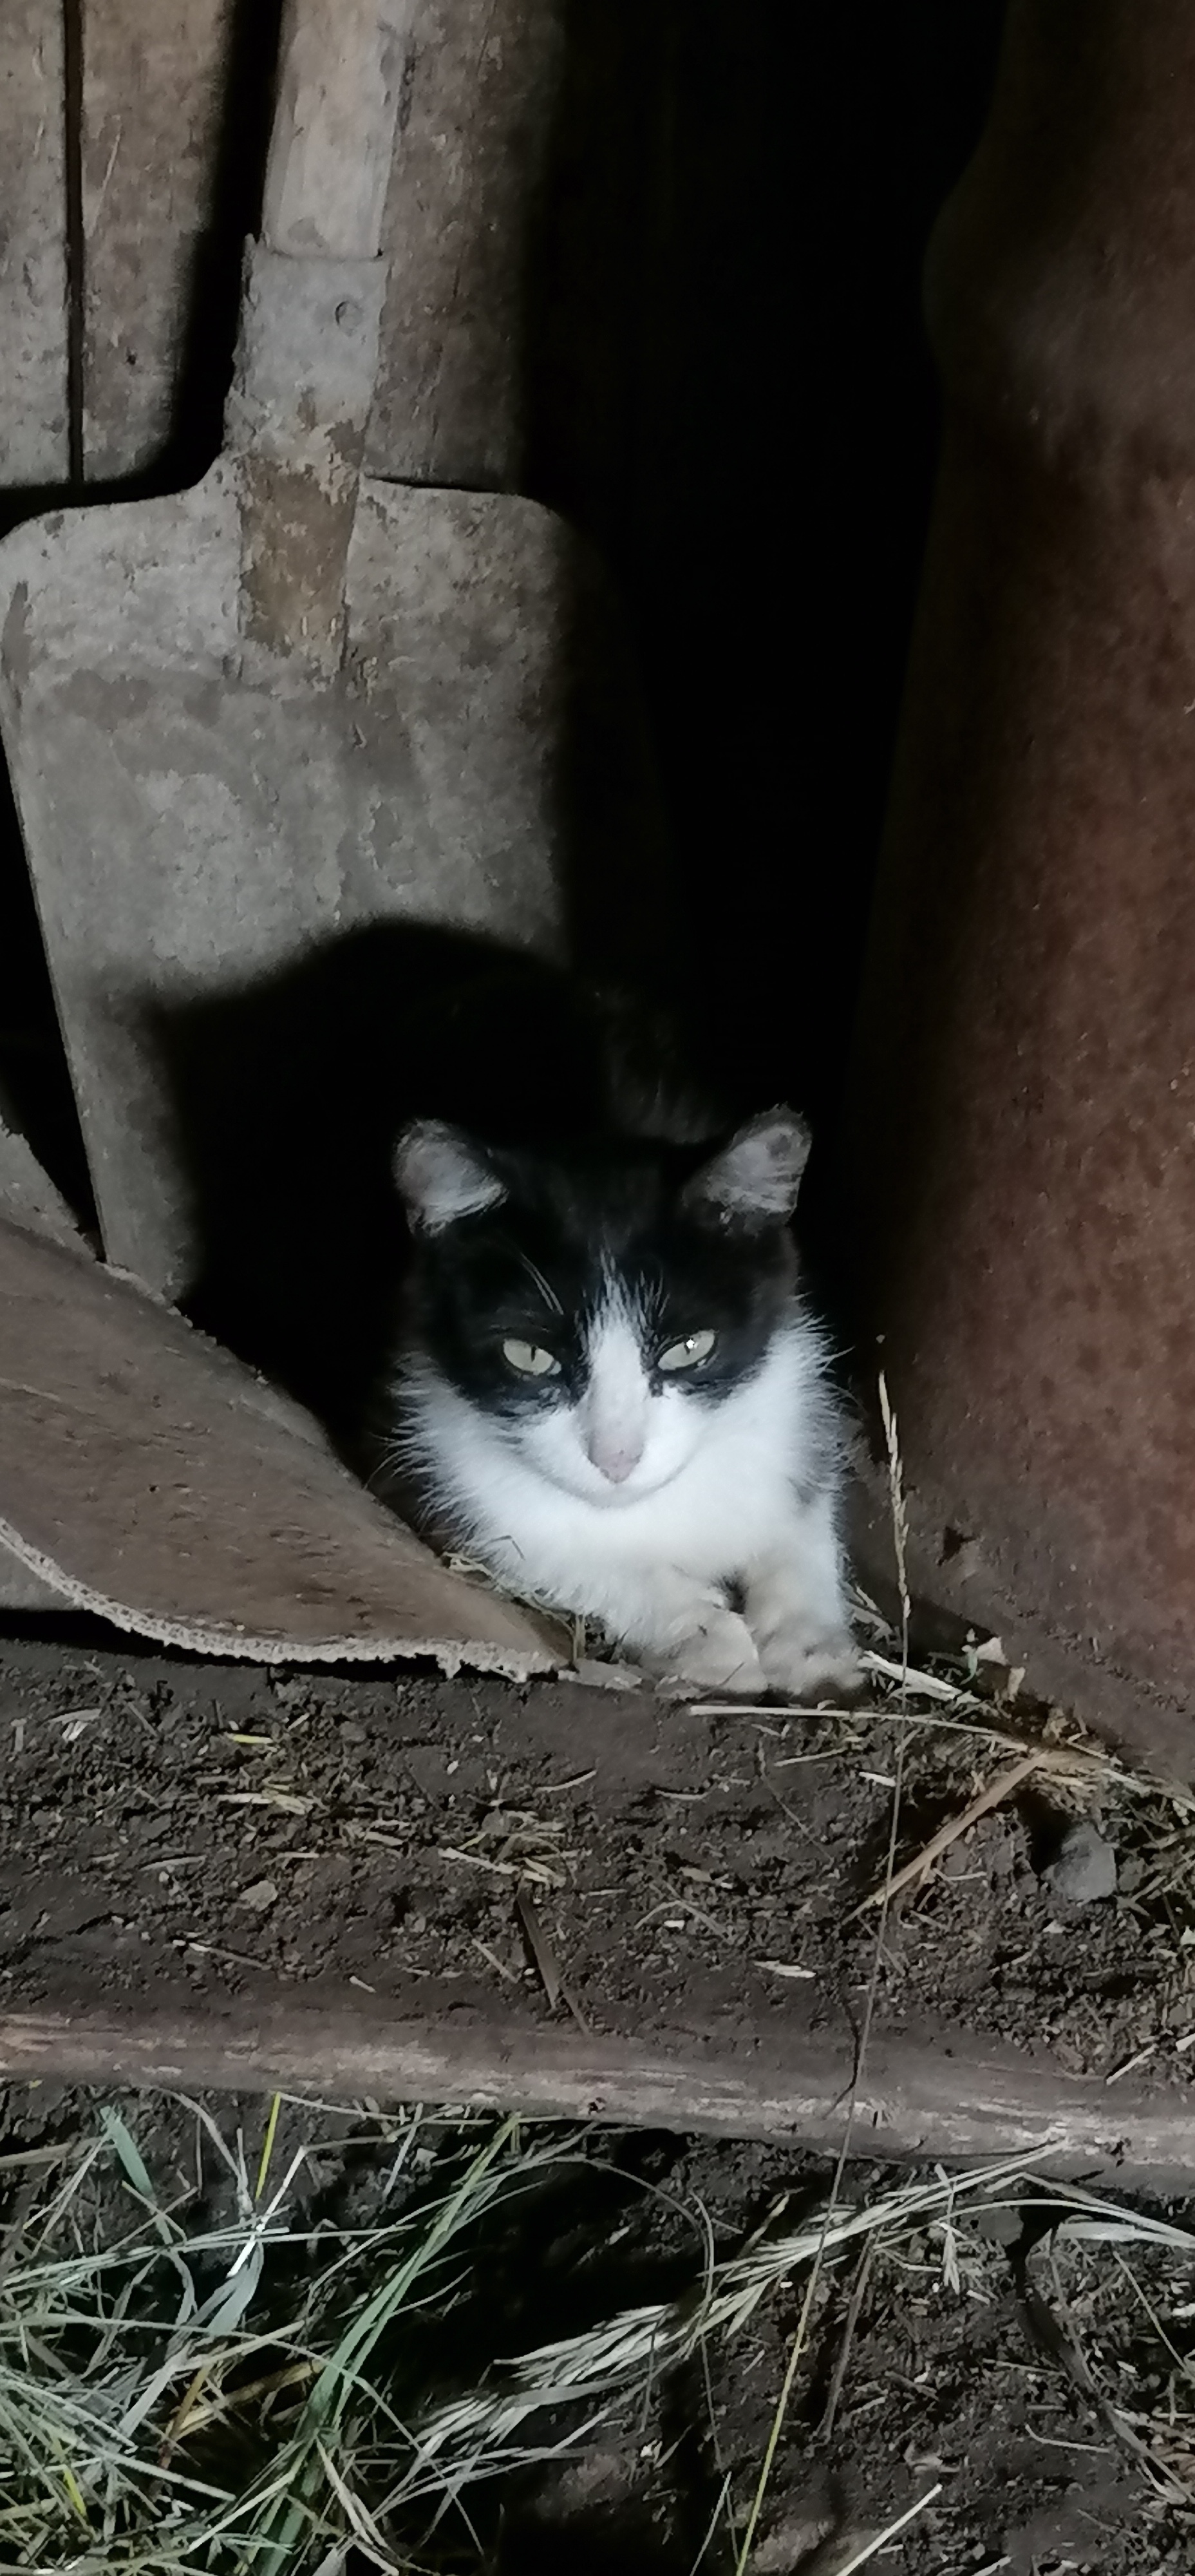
(810, 1666)
(718, 1655)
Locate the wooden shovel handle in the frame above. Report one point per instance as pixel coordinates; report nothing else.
(340, 69)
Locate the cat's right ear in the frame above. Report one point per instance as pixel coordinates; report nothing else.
(755, 1179)
(442, 1175)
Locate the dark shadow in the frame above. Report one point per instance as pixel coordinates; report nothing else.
(695, 2474)
(35, 1087)
(75, 1631)
(728, 389)
(595, 2542)
(619, 884)
(579, 2246)
(586, 2245)
(288, 1094)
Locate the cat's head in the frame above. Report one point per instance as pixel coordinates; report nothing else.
(602, 1311)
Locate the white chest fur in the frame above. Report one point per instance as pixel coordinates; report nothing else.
(724, 1503)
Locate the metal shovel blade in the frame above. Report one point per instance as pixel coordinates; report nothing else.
(293, 700)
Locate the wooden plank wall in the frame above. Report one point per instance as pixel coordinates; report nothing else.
(33, 371)
(479, 91)
(166, 143)
(153, 99)
(152, 123)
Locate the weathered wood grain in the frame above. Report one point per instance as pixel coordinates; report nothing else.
(33, 381)
(479, 85)
(913, 2101)
(154, 85)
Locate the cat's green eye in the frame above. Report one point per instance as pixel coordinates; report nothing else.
(530, 1359)
(686, 1354)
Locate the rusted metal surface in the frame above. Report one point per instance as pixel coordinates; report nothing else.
(1020, 1147)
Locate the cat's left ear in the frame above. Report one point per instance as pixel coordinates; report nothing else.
(753, 1181)
(442, 1174)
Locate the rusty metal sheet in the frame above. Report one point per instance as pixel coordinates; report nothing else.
(1021, 1143)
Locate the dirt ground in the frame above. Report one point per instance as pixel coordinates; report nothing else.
(171, 1827)
(174, 1827)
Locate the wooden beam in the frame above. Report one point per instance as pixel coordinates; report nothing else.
(913, 2100)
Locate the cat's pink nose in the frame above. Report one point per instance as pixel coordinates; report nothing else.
(614, 1459)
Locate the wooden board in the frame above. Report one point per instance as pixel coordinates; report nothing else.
(479, 87)
(171, 135)
(154, 83)
(33, 381)
(965, 2107)
(155, 1483)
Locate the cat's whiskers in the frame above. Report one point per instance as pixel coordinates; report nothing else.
(546, 1290)
(690, 1509)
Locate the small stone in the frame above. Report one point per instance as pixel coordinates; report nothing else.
(260, 1896)
(1085, 1870)
(1001, 2226)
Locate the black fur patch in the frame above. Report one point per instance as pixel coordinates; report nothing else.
(540, 1264)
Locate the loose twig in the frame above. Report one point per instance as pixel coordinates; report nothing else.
(547, 1963)
(922, 1862)
(851, 2320)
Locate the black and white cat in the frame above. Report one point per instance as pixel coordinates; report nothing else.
(607, 1389)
